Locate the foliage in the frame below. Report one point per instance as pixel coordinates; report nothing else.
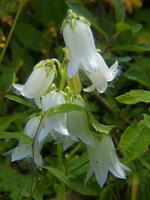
(121, 35)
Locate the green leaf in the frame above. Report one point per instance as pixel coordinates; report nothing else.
(58, 174)
(135, 28)
(132, 47)
(20, 100)
(122, 26)
(125, 26)
(85, 189)
(100, 127)
(134, 96)
(147, 120)
(48, 12)
(14, 185)
(15, 135)
(140, 71)
(119, 10)
(136, 139)
(78, 164)
(5, 121)
(72, 183)
(29, 36)
(63, 108)
(7, 7)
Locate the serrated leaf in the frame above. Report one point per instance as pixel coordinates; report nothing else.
(134, 96)
(15, 135)
(140, 71)
(135, 139)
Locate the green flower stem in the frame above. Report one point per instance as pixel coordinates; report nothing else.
(62, 193)
(11, 32)
(63, 78)
(74, 150)
(33, 165)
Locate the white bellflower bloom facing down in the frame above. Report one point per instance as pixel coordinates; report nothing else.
(78, 125)
(57, 122)
(24, 150)
(103, 159)
(38, 82)
(83, 53)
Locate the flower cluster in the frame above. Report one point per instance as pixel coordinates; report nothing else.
(69, 126)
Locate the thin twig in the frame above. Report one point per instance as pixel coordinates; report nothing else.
(11, 32)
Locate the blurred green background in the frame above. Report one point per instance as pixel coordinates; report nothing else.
(30, 32)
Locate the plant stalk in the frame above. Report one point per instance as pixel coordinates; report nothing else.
(11, 32)
(62, 194)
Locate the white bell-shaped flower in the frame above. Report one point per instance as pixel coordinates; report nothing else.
(38, 82)
(57, 122)
(24, 150)
(83, 53)
(78, 125)
(103, 158)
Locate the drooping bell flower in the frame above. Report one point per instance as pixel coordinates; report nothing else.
(78, 125)
(80, 43)
(38, 82)
(24, 150)
(103, 159)
(57, 122)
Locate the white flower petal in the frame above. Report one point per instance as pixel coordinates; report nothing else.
(38, 82)
(80, 44)
(68, 141)
(27, 150)
(19, 88)
(83, 53)
(37, 150)
(103, 158)
(43, 133)
(77, 123)
(34, 82)
(32, 126)
(56, 122)
(72, 69)
(90, 88)
(52, 99)
(113, 71)
(99, 81)
(101, 175)
(20, 152)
